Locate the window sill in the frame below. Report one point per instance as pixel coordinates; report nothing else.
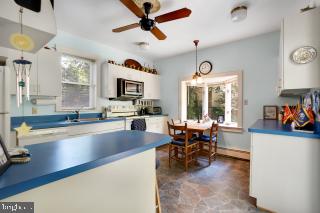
(231, 129)
(72, 110)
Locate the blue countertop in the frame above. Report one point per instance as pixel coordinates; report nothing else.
(60, 159)
(54, 121)
(276, 128)
(55, 124)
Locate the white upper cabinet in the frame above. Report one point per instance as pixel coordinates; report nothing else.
(45, 75)
(297, 31)
(40, 26)
(111, 72)
(49, 73)
(151, 86)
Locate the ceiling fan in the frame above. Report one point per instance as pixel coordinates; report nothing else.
(148, 24)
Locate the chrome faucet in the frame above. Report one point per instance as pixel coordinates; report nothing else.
(78, 114)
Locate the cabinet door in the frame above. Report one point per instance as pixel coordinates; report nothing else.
(151, 86)
(157, 124)
(301, 30)
(280, 63)
(113, 72)
(156, 87)
(49, 73)
(131, 74)
(15, 54)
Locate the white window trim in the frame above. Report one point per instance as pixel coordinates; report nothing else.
(93, 84)
(183, 93)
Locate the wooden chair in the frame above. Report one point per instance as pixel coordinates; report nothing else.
(180, 132)
(182, 147)
(174, 122)
(208, 144)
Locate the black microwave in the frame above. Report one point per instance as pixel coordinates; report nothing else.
(129, 90)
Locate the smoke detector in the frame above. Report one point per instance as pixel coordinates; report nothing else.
(144, 45)
(239, 13)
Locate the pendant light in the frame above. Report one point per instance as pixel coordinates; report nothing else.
(21, 66)
(196, 78)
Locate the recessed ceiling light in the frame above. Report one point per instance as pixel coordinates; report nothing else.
(144, 45)
(239, 13)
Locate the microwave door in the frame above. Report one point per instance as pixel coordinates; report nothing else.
(132, 88)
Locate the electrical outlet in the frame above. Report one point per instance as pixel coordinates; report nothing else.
(34, 110)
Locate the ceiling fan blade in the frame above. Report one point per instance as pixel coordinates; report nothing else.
(158, 33)
(133, 7)
(124, 28)
(177, 14)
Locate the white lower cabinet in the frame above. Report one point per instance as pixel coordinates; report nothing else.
(156, 124)
(54, 134)
(97, 128)
(285, 173)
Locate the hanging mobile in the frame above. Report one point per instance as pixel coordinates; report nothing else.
(21, 66)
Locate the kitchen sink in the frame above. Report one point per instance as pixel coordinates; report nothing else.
(86, 120)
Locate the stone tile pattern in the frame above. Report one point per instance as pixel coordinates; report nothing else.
(222, 187)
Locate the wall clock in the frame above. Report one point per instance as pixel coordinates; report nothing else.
(205, 67)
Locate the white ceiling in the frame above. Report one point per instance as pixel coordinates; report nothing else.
(209, 22)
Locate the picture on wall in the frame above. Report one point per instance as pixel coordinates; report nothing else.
(4, 157)
(270, 112)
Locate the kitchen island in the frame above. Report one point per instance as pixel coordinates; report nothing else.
(284, 168)
(111, 172)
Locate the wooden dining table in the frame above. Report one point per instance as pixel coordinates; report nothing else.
(199, 128)
(196, 127)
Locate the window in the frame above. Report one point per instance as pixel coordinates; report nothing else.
(216, 100)
(78, 83)
(219, 96)
(194, 106)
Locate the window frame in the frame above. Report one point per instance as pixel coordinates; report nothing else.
(183, 98)
(92, 85)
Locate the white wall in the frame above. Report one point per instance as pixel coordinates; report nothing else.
(87, 47)
(257, 57)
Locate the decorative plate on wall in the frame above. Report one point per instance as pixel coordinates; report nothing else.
(132, 64)
(304, 55)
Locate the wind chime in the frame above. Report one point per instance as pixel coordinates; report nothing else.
(21, 66)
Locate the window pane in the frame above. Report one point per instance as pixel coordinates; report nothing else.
(194, 104)
(216, 102)
(75, 96)
(75, 69)
(234, 101)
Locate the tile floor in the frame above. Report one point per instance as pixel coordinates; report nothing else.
(222, 187)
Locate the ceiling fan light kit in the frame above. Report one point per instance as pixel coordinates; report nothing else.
(148, 24)
(239, 13)
(155, 5)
